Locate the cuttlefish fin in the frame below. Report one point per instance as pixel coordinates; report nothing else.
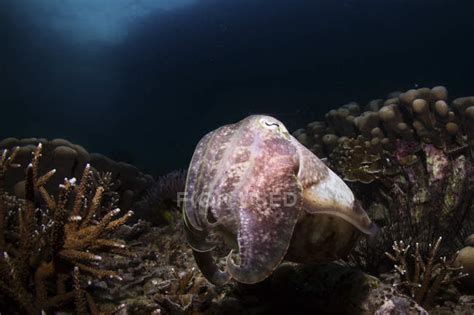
(266, 226)
(330, 195)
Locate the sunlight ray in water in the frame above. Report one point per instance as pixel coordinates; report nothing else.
(91, 20)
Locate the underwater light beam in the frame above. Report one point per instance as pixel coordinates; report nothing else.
(89, 20)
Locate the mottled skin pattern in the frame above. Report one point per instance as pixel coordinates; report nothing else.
(249, 185)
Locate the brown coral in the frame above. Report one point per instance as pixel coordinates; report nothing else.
(69, 161)
(48, 242)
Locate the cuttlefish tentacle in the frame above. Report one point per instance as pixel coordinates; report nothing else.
(209, 268)
(197, 239)
(202, 252)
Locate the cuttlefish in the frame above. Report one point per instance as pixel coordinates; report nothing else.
(253, 187)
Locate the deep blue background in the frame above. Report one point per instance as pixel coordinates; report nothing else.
(179, 74)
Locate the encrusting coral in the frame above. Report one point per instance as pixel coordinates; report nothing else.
(51, 245)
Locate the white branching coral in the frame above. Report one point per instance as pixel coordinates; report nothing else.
(422, 277)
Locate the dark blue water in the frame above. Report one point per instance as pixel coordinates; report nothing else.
(147, 88)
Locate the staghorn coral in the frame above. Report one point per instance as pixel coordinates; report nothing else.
(69, 161)
(51, 245)
(409, 159)
(423, 278)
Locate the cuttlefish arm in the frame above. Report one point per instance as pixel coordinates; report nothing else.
(326, 193)
(209, 268)
(267, 221)
(198, 240)
(202, 252)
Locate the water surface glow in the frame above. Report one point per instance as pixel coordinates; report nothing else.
(90, 20)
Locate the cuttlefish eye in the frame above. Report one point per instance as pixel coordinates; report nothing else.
(275, 126)
(269, 124)
(272, 124)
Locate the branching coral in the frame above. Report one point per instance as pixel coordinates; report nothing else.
(48, 242)
(426, 276)
(69, 160)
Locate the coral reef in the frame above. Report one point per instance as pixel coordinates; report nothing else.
(422, 278)
(69, 161)
(465, 259)
(52, 245)
(159, 204)
(463, 306)
(162, 279)
(331, 288)
(409, 159)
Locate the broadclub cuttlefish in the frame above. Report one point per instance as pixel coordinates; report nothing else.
(253, 187)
